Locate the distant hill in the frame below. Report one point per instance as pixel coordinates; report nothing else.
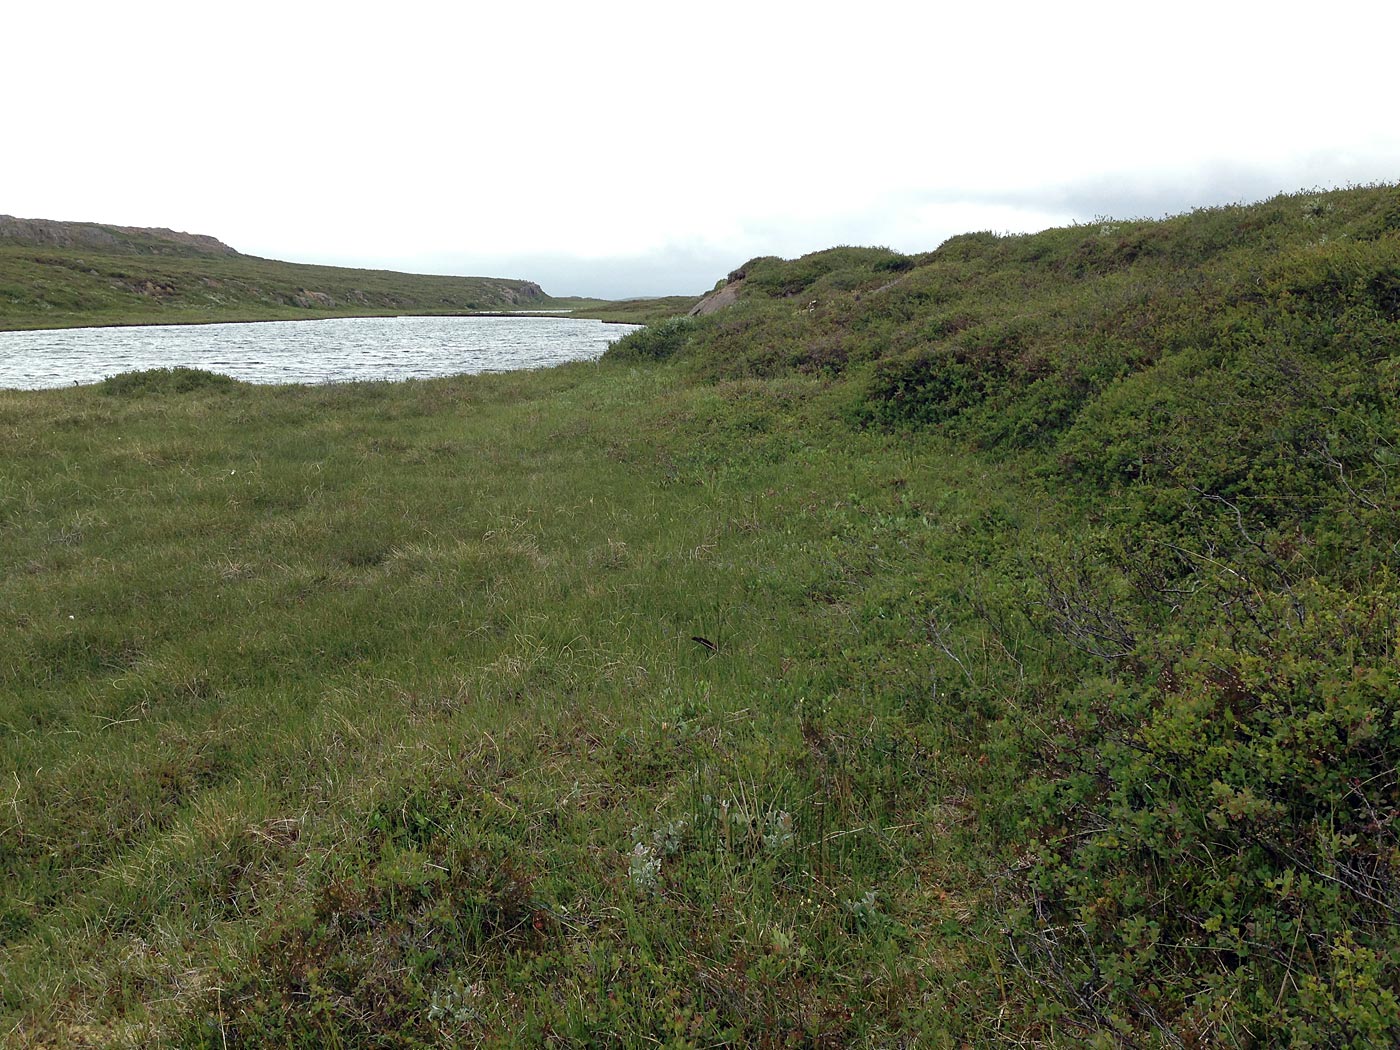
(67, 274)
(124, 239)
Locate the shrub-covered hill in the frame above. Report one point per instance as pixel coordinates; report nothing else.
(1244, 353)
(66, 274)
(1208, 829)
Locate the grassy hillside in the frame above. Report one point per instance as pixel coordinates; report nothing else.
(992, 646)
(1205, 844)
(628, 311)
(58, 275)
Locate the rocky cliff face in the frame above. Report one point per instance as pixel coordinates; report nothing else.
(132, 239)
(524, 292)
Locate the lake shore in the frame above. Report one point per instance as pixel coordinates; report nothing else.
(308, 350)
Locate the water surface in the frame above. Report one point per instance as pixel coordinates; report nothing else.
(322, 351)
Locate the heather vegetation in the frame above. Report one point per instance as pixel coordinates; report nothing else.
(995, 645)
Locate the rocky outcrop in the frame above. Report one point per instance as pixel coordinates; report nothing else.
(524, 292)
(726, 295)
(138, 240)
(308, 300)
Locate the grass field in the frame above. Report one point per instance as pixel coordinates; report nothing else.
(323, 698)
(990, 647)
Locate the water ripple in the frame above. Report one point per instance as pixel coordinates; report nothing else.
(323, 351)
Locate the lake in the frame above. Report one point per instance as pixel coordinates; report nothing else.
(322, 351)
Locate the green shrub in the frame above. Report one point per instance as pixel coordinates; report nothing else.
(1219, 849)
(838, 269)
(966, 247)
(179, 380)
(933, 384)
(654, 342)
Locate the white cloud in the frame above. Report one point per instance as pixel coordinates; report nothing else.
(622, 131)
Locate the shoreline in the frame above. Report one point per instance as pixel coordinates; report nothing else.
(548, 315)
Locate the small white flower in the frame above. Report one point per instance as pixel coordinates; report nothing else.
(643, 868)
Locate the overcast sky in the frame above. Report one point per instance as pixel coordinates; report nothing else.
(618, 148)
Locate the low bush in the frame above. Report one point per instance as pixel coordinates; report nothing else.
(1215, 849)
(934, 384)
(177, 380)
(654, 342)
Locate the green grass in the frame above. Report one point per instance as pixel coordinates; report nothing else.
(1000, 650)
(628, 311)
(325, 697)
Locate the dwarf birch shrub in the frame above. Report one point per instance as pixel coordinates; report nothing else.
(1219, 851)
(653, 343)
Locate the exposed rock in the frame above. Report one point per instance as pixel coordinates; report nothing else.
(727, 295)
(313, 300)
(145, 287)
(523, 292)
(135, 239)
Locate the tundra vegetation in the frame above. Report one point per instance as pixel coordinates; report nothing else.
(67, 274)
(990, 646)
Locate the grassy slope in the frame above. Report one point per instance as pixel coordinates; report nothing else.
(143, 279)
(629, 311)
(46, 287)
(1050, 582)
(1207, 848)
